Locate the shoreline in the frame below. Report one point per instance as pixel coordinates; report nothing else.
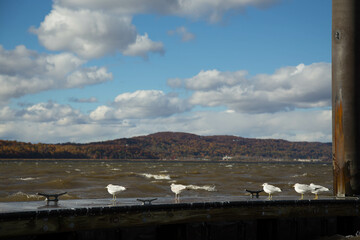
(190, 160)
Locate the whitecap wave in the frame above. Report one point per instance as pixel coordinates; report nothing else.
(27, 179)
(156, 176)
(19, 196)
(299, 175)
(205, 187)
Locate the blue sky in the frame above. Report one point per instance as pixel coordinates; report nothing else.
(86, 70)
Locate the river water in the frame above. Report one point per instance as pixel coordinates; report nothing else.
(21, 180)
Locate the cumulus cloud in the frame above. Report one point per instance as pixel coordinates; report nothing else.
(55, 133)
(210, 80)
(93, 29)
(212, 10)
(183, 33)
(141, 104)
(286, 125)
(7, 114)
(303, 86)
(88, 33)
(92, 33)
(142, 46)
(51, 112)
(24, 71)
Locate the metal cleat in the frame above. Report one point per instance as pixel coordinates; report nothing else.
(51, 197)
(254, 193)
(146, 201)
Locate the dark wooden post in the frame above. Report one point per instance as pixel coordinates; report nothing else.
(346, 96)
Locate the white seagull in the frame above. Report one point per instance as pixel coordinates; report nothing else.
(177, 189)
(315, 189)
(302, 188)
(115, 189)
(270, 189)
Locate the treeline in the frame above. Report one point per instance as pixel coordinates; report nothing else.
(170, 145)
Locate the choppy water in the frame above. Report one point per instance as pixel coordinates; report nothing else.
(21, 180)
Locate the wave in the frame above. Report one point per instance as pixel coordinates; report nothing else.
(299, 175)
(205, 187)
(21, 196)
(26, 179)
(156, 176)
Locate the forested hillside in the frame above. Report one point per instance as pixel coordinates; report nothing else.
(171, 146)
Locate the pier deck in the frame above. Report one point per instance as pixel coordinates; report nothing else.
(192, 218)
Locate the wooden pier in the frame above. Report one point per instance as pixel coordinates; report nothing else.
(219, 218)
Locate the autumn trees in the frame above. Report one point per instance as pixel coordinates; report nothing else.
(170, 145)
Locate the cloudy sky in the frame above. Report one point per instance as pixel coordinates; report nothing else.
(89, 70)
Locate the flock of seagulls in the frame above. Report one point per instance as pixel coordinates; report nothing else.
(299, 188)
(313, 188)
(269, 189)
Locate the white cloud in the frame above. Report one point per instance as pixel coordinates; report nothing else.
(90, 34)
(183, 33)
(285, 125)
(103, 113)
(93, 33)
(51, 112)
(7, 114)
(303, 86)
(211, 10)
(93, 29)
(23, 71)
(141, 104)
(142, 46)
(50, 132)
(214, 79)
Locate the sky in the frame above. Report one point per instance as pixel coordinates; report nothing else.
(87, 70)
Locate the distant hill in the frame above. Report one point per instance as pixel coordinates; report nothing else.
(172, 146)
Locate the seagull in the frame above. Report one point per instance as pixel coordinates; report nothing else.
(315, 189)
(115, 189)
(177, 189)
(270, 189)
(302, 188)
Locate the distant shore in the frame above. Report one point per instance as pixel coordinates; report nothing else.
(247, 161)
